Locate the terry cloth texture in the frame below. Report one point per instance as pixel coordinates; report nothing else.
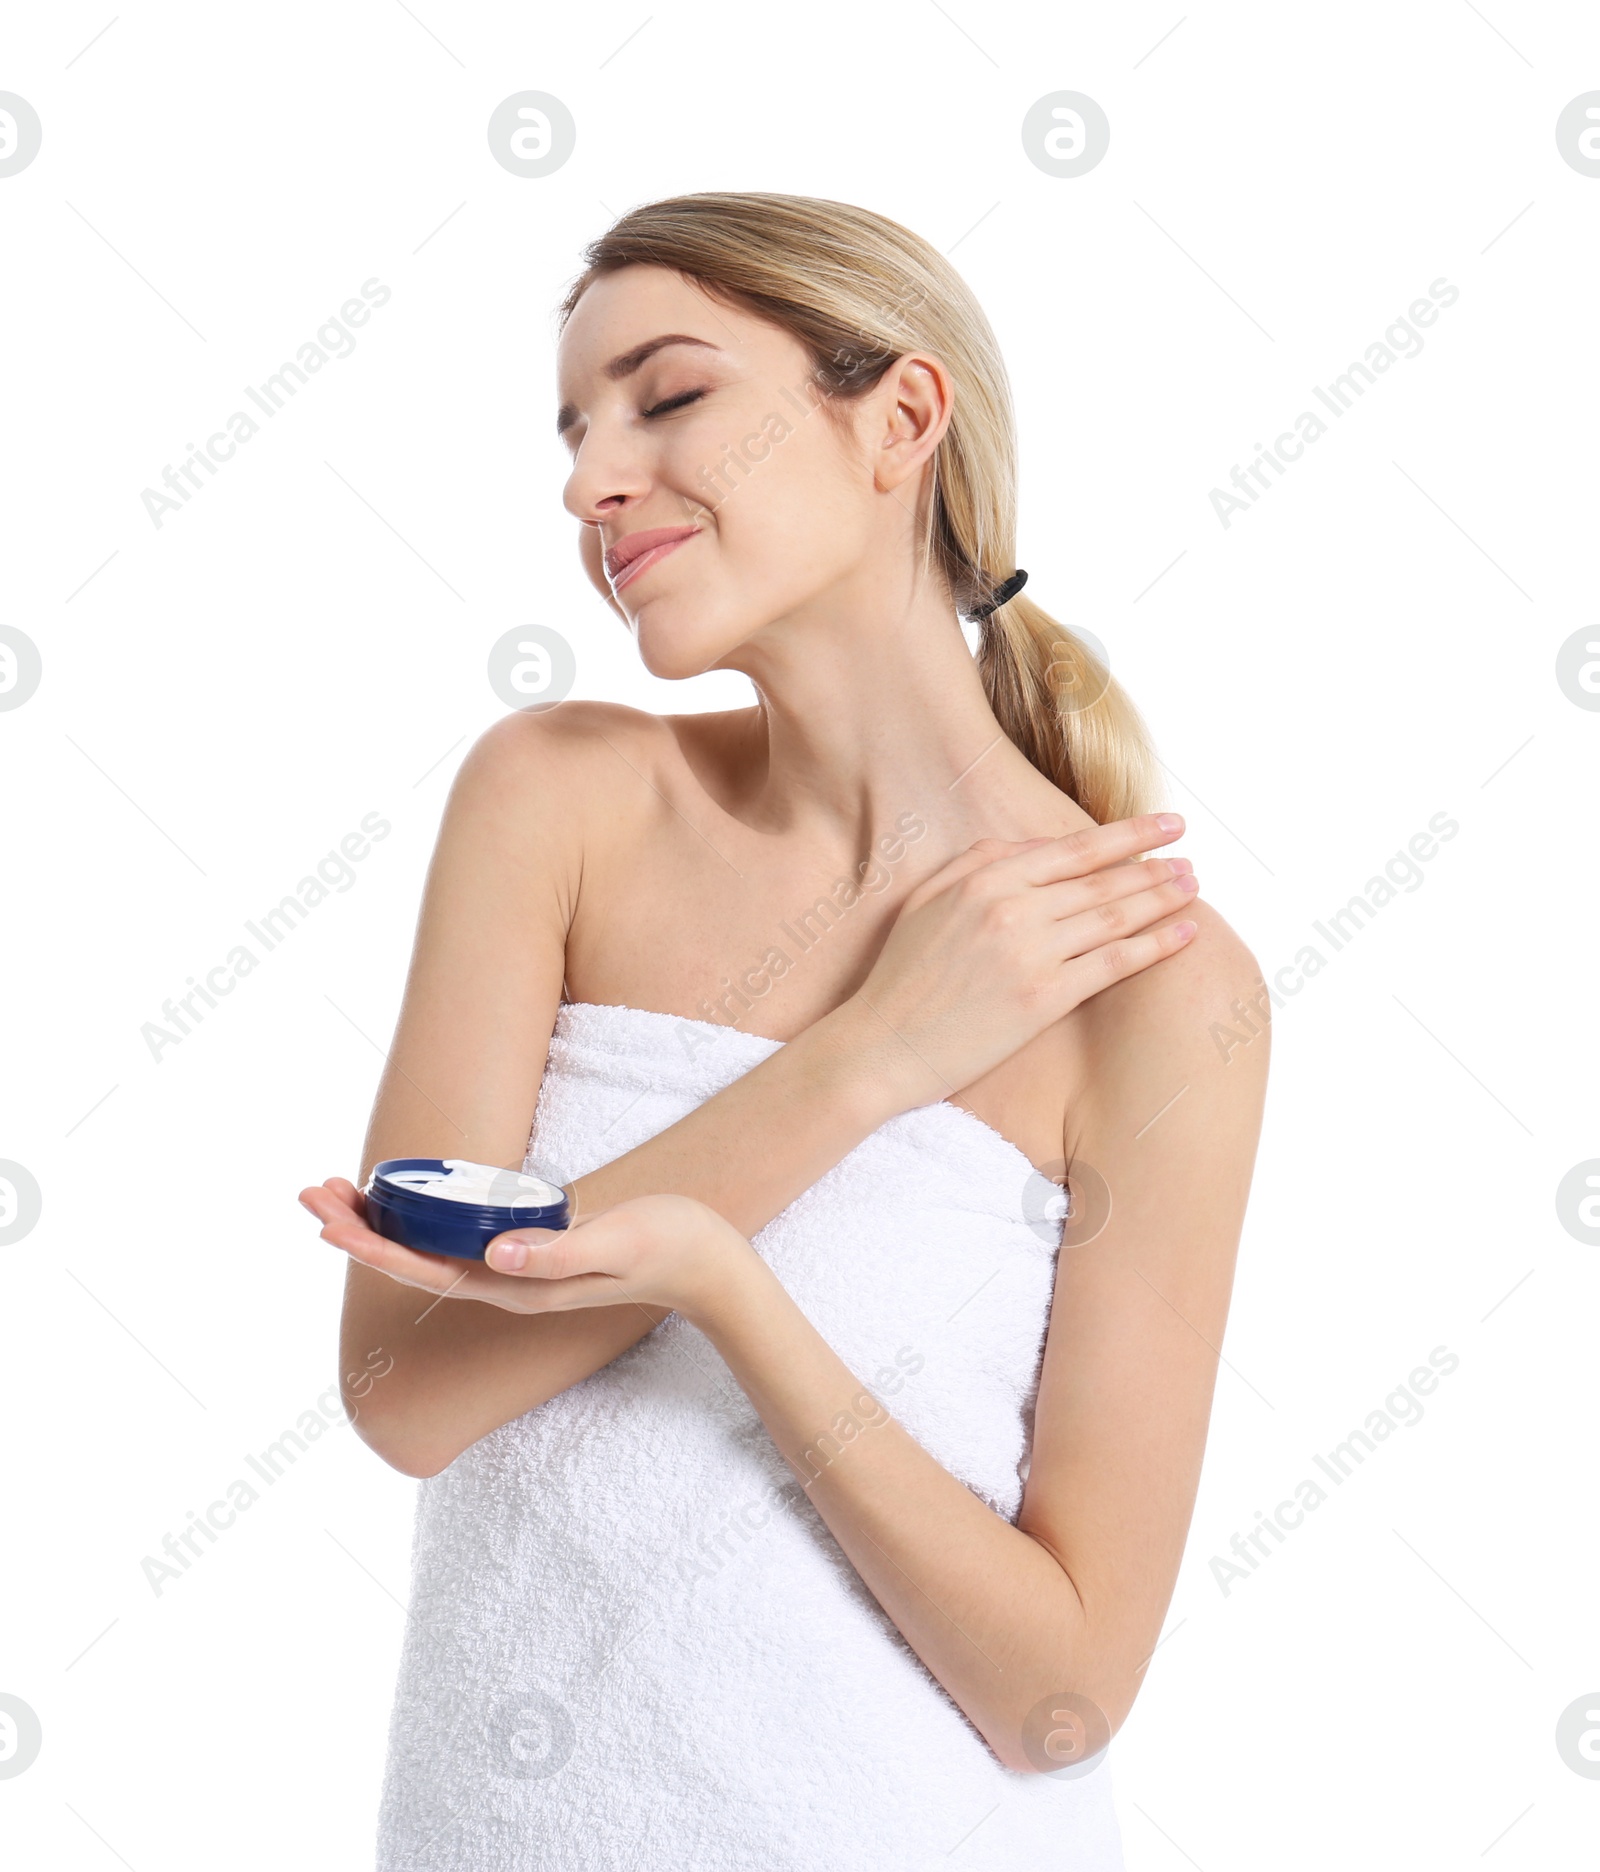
(632, 1641)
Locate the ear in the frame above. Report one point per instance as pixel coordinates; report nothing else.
(915, 400)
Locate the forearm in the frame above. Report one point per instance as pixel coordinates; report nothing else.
(454, 1368)
(985, 1606)
(750, 1150)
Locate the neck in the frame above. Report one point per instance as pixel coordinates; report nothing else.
(870, 706)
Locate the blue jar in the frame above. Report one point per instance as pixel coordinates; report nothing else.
(448, 1206)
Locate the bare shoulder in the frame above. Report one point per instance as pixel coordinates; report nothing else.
(567, 738)
(1199, 983)
(600, 742)
(1198, 1018)
(557, 774)
(567, 790)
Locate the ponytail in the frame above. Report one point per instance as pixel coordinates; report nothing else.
(1058, 702)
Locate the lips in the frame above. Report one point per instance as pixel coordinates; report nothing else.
(635, 552)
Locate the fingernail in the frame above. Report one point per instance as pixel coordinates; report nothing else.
(510, 1255)
(1180, 865)
(1187, 882)
(1184, 931)
(1170, 822)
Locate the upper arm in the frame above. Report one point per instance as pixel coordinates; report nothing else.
(1169, 1122)
(462, 1076)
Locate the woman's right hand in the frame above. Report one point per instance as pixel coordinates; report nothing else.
(1007, 938)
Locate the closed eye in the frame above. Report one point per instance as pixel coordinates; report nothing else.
(672, 403)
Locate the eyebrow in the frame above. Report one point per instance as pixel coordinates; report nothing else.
(626, 364)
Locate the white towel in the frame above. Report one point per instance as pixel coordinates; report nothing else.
(632, 1640)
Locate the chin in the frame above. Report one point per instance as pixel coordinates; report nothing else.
(674, 650)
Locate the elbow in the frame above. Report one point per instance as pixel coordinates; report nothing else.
(398, 1445)
(1065, 1732)
(418, 1464)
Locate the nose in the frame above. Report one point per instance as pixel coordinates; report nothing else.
(606, 476)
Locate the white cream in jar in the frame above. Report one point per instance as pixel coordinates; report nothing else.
(484, 1185)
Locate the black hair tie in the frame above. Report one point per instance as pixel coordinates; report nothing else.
(1003, 595)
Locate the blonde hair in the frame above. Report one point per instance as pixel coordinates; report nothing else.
(857, 290)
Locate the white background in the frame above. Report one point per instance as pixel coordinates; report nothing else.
(226, 696)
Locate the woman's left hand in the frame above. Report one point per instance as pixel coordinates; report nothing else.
(663, 1251)
(666, 1251)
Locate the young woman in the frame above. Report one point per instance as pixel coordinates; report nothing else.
(816, 1499)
